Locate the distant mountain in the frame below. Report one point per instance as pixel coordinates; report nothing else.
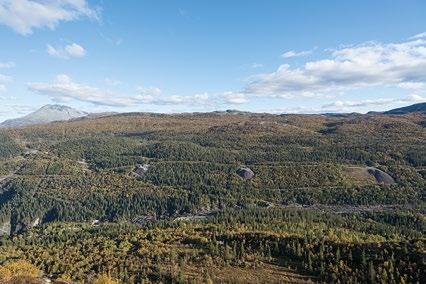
(46, 114)
(421, 107)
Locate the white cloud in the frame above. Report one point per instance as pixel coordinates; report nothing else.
(412, 85)
(235, 98)
(369, 64)
(350, 105)
(415, 98)
(10, 110)
(198, 99)
(71, 50)
(64, 89)
(4, 65)
(417, 36)
(75, 50)
(145, 99)
(55, 52)
(293, 110)
(292, 53)
(24, 16)
(5, 78)
(153, 91)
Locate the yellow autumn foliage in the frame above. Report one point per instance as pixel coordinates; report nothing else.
(105, 279)
(19, 268)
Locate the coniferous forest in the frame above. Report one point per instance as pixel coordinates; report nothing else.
(223, 197)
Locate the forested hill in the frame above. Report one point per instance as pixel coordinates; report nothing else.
(420, 107)
(305, 197)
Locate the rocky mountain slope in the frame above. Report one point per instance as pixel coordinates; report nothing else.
(46, 114)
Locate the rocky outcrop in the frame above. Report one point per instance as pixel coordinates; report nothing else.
(35, 223)
(17, 226)
(245, 173)
(5, 228)
(381, 176)
(140, 170)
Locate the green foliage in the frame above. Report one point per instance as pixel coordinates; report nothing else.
(8, 147)
(346, 249)
(311, 210)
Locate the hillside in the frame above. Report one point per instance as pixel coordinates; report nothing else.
(421, 107)
(158, 198)
(46, 114)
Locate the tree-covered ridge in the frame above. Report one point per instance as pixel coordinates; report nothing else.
(301, 244)
(8, 147)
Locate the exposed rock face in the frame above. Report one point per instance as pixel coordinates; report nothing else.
(245, 173)
(381, 176)
(140, 170)
(35, 223)
(5, 229)
(144, 219)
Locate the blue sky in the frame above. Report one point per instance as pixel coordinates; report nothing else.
(302, 56)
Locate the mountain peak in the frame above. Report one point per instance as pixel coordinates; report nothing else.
(46, 114)
(55, 107)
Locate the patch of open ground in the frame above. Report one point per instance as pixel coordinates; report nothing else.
(367, 175)
(263, 273)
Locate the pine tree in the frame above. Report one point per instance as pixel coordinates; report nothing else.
(371, 273)
(363, 258)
